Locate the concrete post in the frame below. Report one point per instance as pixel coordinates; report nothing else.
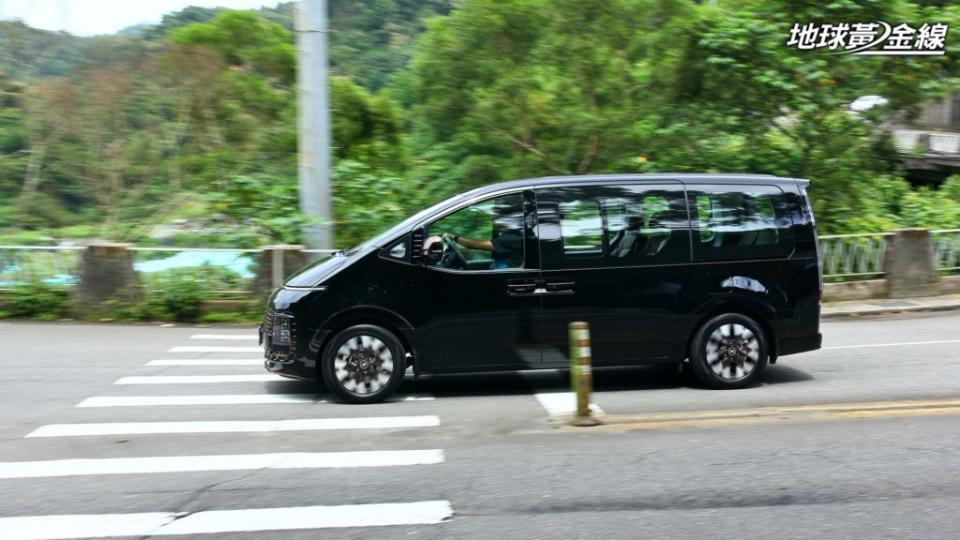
(910, 264)
(313, 115)
(106, 273)
(276, 264)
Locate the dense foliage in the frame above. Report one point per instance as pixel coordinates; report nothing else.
(185, 131)
(36, 300)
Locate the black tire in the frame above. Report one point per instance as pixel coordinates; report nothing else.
(729, 351)
(363, 364)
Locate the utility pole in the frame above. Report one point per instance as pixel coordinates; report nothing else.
(313, 114)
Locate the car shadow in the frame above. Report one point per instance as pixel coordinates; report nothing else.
(780, 374)
(505, 383)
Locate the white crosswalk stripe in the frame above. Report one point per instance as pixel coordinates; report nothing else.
(198, 379)
(213, 348)
(217, 399)
(79, 525)
(293, 460)
(242, 337)
(224, 521)
(208, 362)
(233, 426)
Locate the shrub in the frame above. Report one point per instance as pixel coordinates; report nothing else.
(175, 294)
(38, 300)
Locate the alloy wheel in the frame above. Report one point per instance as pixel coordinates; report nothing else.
(733, 351)
(363, 365)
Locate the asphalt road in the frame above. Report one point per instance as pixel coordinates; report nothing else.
(858, 440)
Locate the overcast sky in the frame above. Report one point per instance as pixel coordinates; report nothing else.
(91, 17)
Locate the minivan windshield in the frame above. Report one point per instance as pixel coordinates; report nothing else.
(315, 273)
(388, 233)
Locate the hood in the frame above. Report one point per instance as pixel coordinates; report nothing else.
(318, 272)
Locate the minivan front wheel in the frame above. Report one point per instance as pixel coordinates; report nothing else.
(363, 364)
(729, 351)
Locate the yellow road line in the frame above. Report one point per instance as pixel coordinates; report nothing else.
(767, 415)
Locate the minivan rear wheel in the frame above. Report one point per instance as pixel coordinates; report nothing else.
(729, 351)
(363, 364)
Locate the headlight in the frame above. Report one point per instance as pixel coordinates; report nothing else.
(282, 326)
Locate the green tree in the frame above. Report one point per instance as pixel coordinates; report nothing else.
(524, 87)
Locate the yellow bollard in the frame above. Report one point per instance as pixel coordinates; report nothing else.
(581, 377)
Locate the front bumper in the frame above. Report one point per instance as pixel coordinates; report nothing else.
(283, 359)
(279, 352)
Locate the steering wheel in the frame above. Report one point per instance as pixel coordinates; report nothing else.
(452, 254)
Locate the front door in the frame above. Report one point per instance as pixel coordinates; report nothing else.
(617, 257)
(478, 288)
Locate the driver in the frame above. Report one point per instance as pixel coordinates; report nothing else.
(506, 242)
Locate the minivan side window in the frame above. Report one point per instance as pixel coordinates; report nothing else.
(581, 228)
(604, 226)
(740, 222)
(398, 250)
(488, 235)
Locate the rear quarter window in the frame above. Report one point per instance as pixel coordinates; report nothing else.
(740, 222)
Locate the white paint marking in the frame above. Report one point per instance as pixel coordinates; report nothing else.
(145, 465)
(232, 399)
(208, 362)
(205, 348)
(85, 526)
(562, 403)
(234, 426)
(59, 527)
(215, 399)
(313, 517)
(894, 344)
(245, 337)
(198, 379)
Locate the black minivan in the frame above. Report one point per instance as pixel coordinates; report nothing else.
(718, 270)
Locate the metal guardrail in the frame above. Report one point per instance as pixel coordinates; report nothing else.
(51, 265)
(223, 272)
(858, 256)
(231, 270)
(190, 250)
(946, 248)
(220, 272)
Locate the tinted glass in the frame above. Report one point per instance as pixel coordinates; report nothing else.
(581, 227)
(597, 226)
(740, 222)
(484, 236)
(399, 250)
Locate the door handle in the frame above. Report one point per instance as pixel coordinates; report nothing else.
(525, 287)
(530, 287)
(559, 286)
